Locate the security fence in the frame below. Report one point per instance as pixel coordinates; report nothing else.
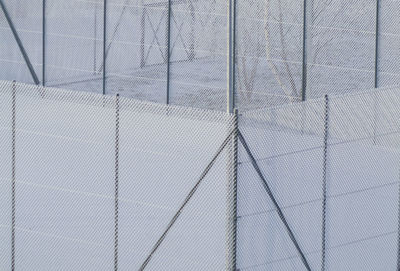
(209, 54)
(98, 182)
(318, 184)
(93, 182)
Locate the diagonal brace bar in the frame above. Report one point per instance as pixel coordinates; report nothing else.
(19, 42)
(187, 199)
(271, 195)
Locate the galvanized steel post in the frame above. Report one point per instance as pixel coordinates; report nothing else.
(376, 83)
(231, 56)
(305, 48)
(324, 183)
(44, 42)
(168, 48)
(232, 165)
(104, 45)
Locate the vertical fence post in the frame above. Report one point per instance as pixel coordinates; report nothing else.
(44, 42)
(104, 44)
(13, 147)
(231, 56)
(168, 48)
(398, 224)
(376, 83)
(232, 196)
(304, 61)
(116, 195)
(142, 35)
(95, 40)
(192, 32)
(324, 182)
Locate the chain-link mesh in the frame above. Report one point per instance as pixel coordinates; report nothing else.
(363, 182)
(5, 174)
(176, 51)
(269, 53)
(341, 47)
(74, 51)
(27, 20)
(199, 53)
(289, 155)
(333, 167)
(389, 41)
(105, 182)
(164, 152)
(136, 49)
(65, 188)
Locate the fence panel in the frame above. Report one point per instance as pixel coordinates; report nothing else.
(163, 154)
(65, 168)
(389, 41)
(105, 182)
(342, 41)
(363, 182)
(5, 173)
(198, 49)
(137, 49)
(74, 34)
(269, 53)
(290, 157)
(346, 166)
(27, 20)
(174, 51)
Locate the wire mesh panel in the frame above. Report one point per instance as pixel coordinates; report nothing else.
(26, 17)
(64, 180)
(363, 182)
(269, 53)
(332, 166)
(341, 51)
(74, 34)
(106, 182)
(5, 174)
(164, 152)
(281, 183)
(389, 42)
(198, 50)
(136, 49)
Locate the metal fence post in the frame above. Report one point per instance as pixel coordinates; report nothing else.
(104, 44)
(116, 195)
(376, 83)
(95, 40)
(324, 182)
(13, 147)
(231, 56)
(398, 224)
(44, 42)
(305, 54)
(192, 32)
(142, 35)
(168, 48)
(232, 197)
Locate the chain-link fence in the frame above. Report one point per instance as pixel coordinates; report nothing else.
(99, 182)
(93, 182)
(183, 52)
(318, 185)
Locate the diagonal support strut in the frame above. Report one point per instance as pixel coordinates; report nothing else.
(272, 197)
(19, 42)
(187, 199)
